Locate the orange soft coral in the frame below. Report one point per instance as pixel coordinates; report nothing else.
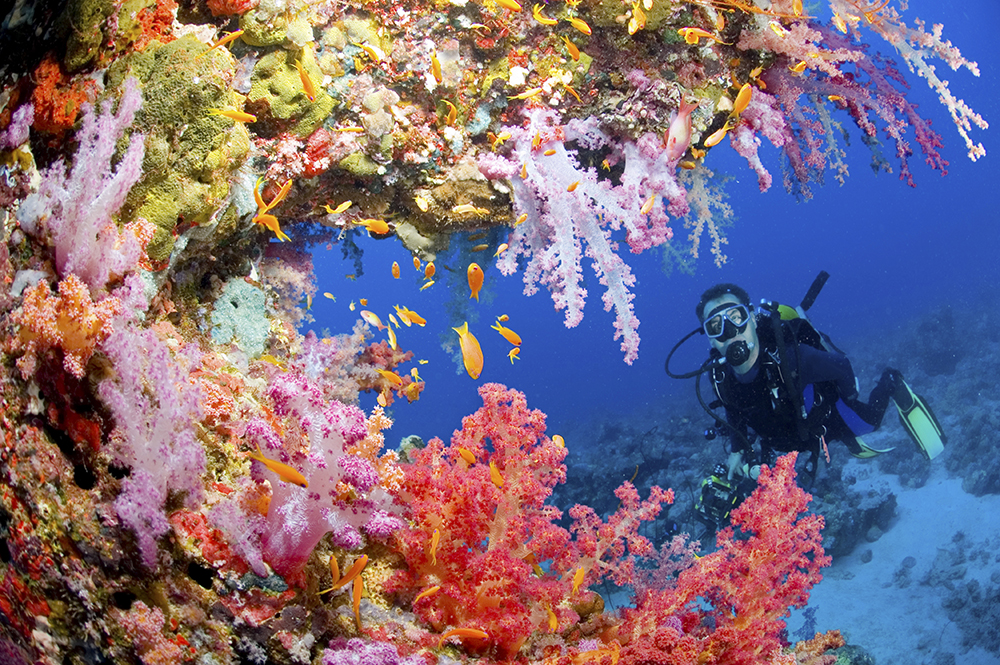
(69, 321)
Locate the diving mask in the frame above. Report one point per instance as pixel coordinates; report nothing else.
(737, 316)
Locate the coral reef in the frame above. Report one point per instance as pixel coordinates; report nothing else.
(187, 476)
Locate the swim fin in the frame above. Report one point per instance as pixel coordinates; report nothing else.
(919, 421)
(862, 450)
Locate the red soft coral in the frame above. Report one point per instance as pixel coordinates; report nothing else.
(484, 498)
(749, 582)
(491, 521)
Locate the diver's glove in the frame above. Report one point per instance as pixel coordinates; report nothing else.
(734, 465)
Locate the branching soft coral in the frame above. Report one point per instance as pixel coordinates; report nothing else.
(75, 206)
(344, 495)
(483, 533)
(571, 210)
(69, 321)
(749, 584)
(155, 409)
(491, 523)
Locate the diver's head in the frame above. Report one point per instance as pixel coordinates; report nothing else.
(727, 318)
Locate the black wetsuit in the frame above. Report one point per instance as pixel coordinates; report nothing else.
(761, 400)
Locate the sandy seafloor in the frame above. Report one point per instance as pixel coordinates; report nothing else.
(908, 625)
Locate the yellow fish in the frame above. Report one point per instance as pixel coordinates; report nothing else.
(390, 376)
(743, 98)
(285, 472)
(475, 275)
(495, 475)
(472, 353)
(374, 226)
(579, 24)
(507, 333)
(339, 209)
(436, 67)
(233, 114)
(372, 319)
(468, 208)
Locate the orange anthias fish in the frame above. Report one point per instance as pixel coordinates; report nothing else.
(359, 587)
(743, 98)
(507, 333)
(390, 376)
(374, 226)
(429, 591)
(463, 632)
(475, 274)
(409, 316)
(472, 353)
(371, 318)
(354, 571)
(429, 270)
(435, 539)
(395, 269)
(285, 472)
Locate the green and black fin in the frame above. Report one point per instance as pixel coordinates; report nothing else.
(919, 421)
(862, 450)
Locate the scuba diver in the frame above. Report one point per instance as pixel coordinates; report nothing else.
(783, 382)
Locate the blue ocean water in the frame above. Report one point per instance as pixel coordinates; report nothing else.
(894, 253)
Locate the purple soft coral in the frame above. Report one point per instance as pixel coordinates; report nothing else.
(316, 444)
(571, 210)
(76, 207)
(155, 410)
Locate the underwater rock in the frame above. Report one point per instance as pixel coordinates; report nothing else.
(278, 101)
(191, 155)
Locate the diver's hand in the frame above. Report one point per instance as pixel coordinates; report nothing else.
(734, 464)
